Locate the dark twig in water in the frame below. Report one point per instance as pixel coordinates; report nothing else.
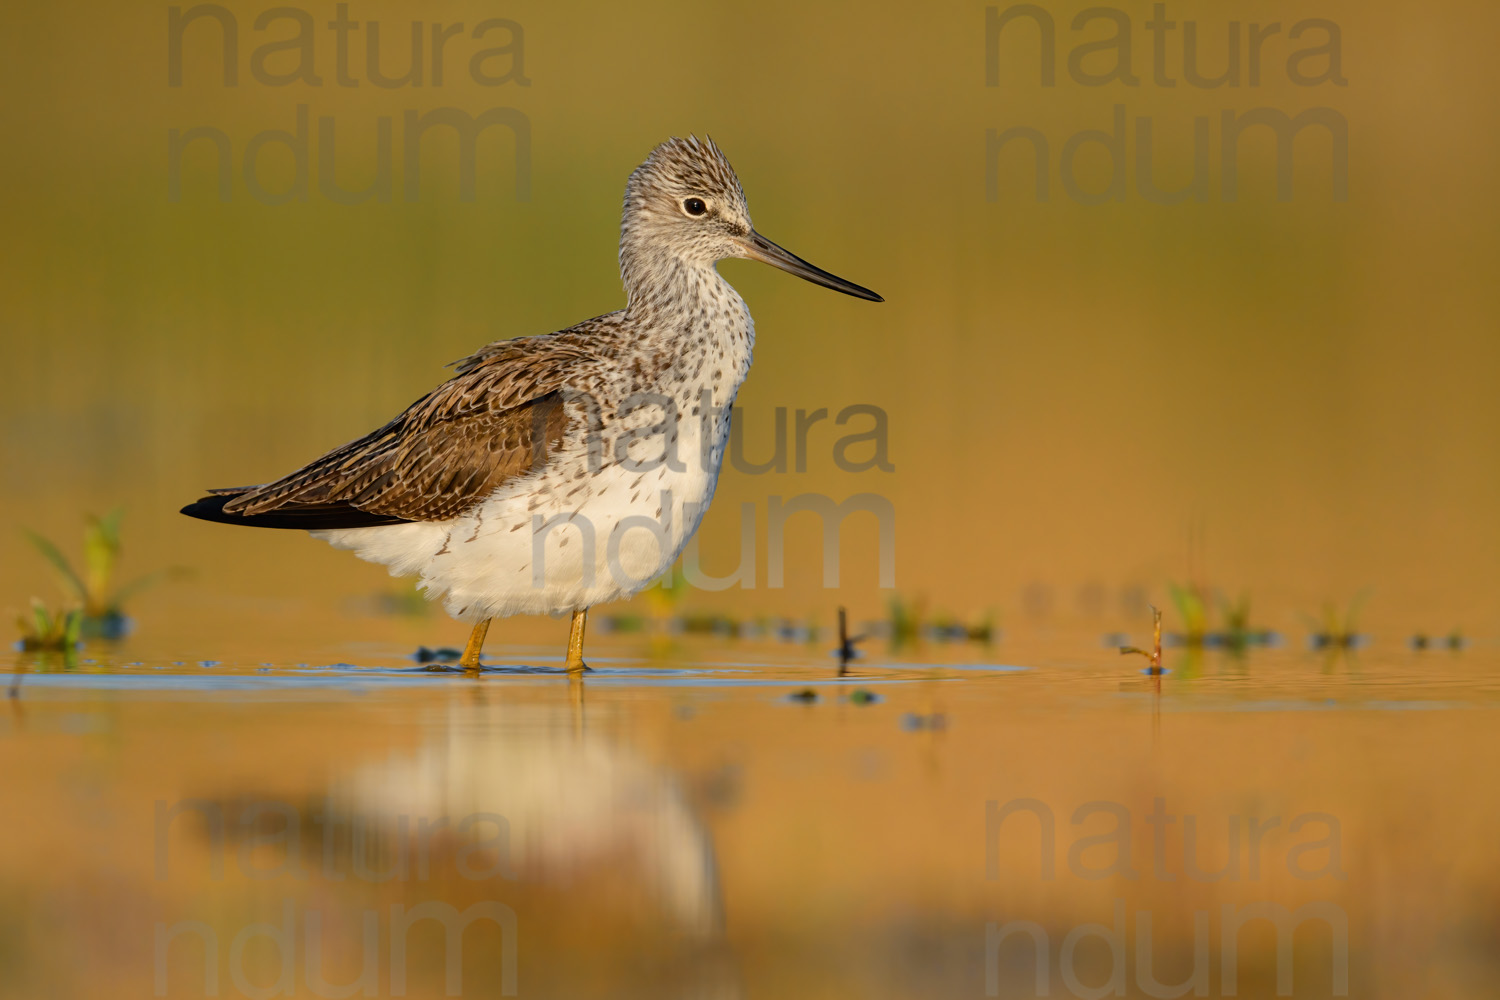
(846, 651)
(1154, 656)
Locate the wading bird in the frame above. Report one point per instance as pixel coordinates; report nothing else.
(557, 472)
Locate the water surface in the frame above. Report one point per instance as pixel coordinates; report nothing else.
(715, 819)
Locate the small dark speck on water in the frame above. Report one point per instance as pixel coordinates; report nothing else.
(806, 696)
(912, 722)
(859, 696)
(1453, 642)
(208, 663)
(263, 670)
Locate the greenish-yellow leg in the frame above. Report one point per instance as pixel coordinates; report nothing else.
(575, 664)
(470, 659)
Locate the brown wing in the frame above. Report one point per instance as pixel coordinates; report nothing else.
(494, 421)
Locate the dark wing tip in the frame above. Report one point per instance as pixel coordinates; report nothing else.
(211, 508)
(303, 517)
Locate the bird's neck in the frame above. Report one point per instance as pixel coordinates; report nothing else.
(693, 316)
(661, 286)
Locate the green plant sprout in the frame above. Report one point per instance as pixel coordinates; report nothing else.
(1338, 631)
(1193, 610)
(664, 597)
(906, 621)
(1235, 634)
(102, 603)
(44, 630)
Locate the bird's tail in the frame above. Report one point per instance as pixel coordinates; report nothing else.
(301, 517)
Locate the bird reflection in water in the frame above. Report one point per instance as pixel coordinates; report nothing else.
(599, 853)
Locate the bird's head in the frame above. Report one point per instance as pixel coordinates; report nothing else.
(685, 206)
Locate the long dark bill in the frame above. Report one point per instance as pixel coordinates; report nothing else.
(757, 247)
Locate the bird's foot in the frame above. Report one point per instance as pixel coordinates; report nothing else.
(445, 668)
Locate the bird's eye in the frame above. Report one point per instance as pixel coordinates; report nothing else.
(694, 206)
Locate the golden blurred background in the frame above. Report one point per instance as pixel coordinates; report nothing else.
(1282, 401)
(1286, 399)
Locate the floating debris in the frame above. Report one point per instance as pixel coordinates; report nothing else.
(859, 696)
(442, 654)
(914, 722)
(953, 631)
(906, 623)
(619, 624)
(806, 696)
(1326, 640)
(949, 632)
(754, 629)
(1453, 641)
(1225, 640)
(708, 624)
(790, 631)
(1338, 632)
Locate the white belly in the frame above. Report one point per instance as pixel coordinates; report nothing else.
(557, 540)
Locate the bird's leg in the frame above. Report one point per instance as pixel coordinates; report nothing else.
(470, 660)
(575, 664)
